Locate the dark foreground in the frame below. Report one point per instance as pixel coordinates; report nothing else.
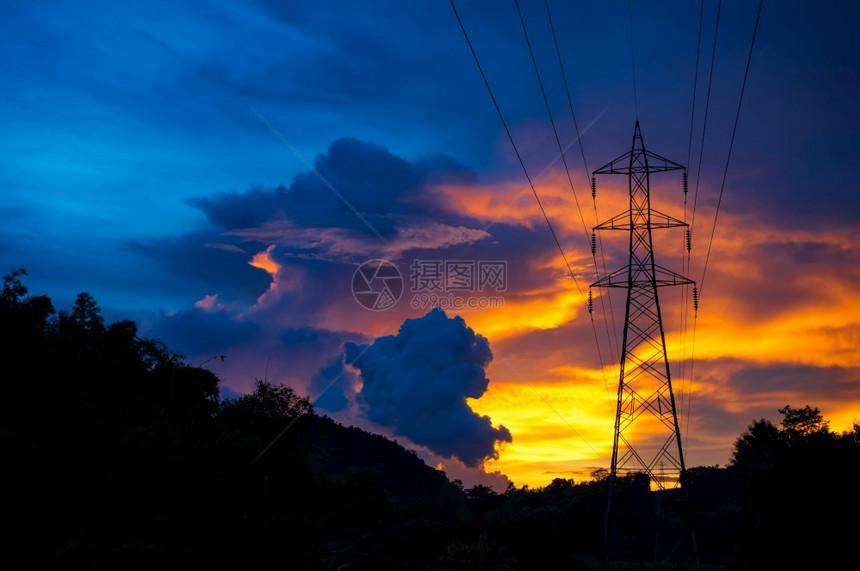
(118, 455)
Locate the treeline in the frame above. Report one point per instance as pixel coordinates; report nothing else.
(119, 455)
(799, 492)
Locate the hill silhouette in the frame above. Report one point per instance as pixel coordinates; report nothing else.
(119, 455)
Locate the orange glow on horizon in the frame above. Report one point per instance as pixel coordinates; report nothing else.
(767, 302)
(739, 319)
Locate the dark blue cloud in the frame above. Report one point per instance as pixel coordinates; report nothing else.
(329, 386)
(195, 331)
(417, 383)
(312, 339)
(368, 176)
(208, 263)
(242, 210)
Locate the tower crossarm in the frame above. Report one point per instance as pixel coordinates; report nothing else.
(663, 277)
(666, 277)
(618, 278)
(633, 161)
(627, 221)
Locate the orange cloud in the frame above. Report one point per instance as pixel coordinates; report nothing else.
(264, 261)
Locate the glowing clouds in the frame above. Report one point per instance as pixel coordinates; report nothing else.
(264, 261)
(778, 322)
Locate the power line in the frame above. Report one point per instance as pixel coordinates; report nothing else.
(725, 174)
(555, 133)
(690, 384)
(731, 145)
(685, 257)
(514, 145)
(705, 121)
(695, 81)
(567, 170)
(699, 170)
(525, 172)
(551, 119)
(566, 88)
(587, 171)
(633, 59)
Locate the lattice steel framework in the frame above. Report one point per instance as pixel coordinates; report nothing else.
(647, 440)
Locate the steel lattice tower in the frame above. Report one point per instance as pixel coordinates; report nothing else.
(647, 457)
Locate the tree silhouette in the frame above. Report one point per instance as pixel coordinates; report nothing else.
(272, 402)
(802, 422)
(118, 454)
(792, 477)
(106, 434)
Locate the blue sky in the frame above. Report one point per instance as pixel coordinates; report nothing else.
(138, 162)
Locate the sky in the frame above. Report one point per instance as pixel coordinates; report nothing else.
(221, 172)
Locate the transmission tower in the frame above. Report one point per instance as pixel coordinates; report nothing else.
(647, 511)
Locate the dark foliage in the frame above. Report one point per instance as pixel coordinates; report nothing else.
(118, 455)
(797, 489)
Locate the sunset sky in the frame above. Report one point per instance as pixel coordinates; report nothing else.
(217, 172)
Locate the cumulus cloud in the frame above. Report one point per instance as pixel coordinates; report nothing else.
(369, 178)
(418, 382)
(359, 198)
